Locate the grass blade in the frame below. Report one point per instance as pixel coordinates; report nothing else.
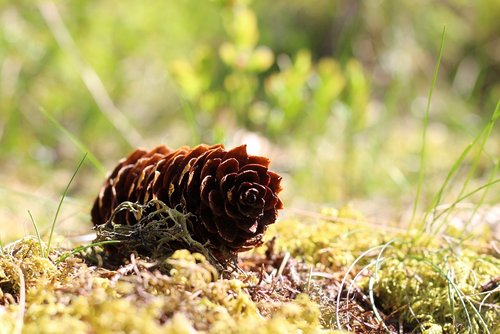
(437, 198)
(52, 17)
(344, 279)
(475, 162)
(478, 189)
(483, 197)
(190, 116)
(451, 298)
(61, 201)
(461, 297)
(424, 133)
(373, 279)
(81, 146)
(483, 136)
(42, 250)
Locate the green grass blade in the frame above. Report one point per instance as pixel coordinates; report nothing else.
(190, 117)
(483, 136)
(475, 162)
(496, 114)
(424, 133)
(488, 129)
(473, 192)
(478, 189)
(451, 298)
(63, 37)
(483, 197)
(42, 250)
(437, 198)
(81, 146)
(61, 201)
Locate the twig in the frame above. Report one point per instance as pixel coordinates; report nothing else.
(283, 264)
(18, 329)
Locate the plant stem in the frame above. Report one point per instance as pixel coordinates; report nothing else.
(61, 201)
(424, 133)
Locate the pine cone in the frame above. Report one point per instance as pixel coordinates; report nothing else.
(231, 196)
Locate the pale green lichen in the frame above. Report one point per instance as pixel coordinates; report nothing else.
(159, 231)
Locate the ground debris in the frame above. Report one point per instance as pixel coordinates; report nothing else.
(280, 278)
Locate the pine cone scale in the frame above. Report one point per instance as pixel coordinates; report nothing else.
(210, 167)
(248, 176)
(230, 165)
(207, 185)
(227, 183)
(261, 172)
(216, 202)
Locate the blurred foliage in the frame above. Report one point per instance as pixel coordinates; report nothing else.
(296, 96)
(333, 92)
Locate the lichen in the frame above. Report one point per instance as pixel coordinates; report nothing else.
(159, 231)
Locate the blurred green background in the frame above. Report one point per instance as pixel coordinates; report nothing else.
(333, 91)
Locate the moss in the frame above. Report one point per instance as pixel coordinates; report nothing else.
(26, 255)
(412, 284)
(334, 241)
(191, 298)
(429, 290)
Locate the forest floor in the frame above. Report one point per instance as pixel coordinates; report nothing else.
(331, 272)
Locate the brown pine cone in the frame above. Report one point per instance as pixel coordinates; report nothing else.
(231, 196)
